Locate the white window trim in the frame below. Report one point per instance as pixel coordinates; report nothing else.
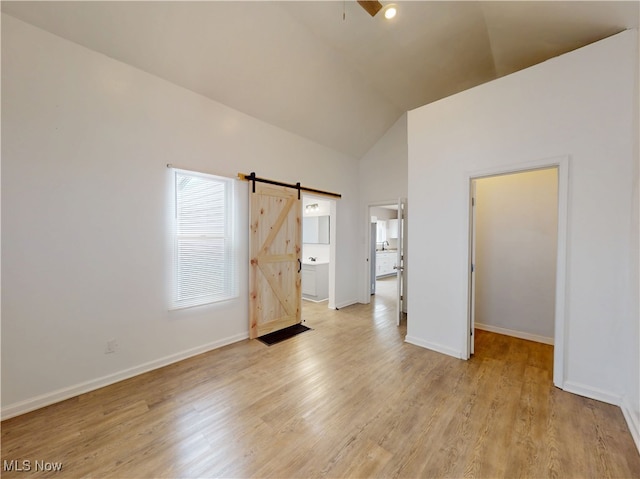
(220, 291)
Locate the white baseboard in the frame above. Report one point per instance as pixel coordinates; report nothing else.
(592, 393)
(515, 334)
(439, 348)
(47, 399)
(633, 420)
(344, 304)
(315, 300)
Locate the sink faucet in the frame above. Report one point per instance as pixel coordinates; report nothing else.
(383, 243)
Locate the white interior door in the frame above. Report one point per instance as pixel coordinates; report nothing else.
(472, 268)
(399, 267)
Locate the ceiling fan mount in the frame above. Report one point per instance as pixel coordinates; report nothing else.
(371, 6)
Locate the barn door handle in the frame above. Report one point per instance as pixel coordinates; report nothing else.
(299, 265)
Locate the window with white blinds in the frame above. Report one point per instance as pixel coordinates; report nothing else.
(204, 261)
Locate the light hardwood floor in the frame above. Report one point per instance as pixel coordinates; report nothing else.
(348, 399)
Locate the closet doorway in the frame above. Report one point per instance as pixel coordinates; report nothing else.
(517, 249)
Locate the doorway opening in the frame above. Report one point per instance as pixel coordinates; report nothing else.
(517, 251)
(386, 258)
(318, 250)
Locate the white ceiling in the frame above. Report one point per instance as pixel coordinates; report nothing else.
(300, 66)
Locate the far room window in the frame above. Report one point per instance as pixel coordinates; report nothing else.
(204, 269)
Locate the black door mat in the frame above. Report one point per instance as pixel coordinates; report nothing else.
(282, 334)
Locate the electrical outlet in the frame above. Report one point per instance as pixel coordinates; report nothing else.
(111, 347)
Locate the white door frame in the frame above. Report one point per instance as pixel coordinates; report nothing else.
(560, 332)
(472, 269)
(333, 206)
(400, 276)
(366, 293)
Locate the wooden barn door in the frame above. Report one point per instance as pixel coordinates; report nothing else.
(275, 244)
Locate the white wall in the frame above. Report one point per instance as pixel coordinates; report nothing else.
(631, 346)
(383, 180)
(383, 170)
(515, 262)
(383, 213)
(85, 198)
(386, 214)
(320, 251)
(580, 104)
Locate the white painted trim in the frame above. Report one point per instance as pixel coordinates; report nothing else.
(316, 300)
(633, 420)
(438, 348)
(561, 313)
(344, 304)
(570, 387)
(562, 257)
(333, 228)
(592, 393)
(333, 241)
(515, 334)
(365, 292)
(38, 402)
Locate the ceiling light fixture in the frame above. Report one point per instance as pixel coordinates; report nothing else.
(372, 7)
(311, 208)
(390, 11)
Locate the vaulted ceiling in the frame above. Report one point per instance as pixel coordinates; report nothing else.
(326, 70)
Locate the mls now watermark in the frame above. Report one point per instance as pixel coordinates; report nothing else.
(26, 465)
